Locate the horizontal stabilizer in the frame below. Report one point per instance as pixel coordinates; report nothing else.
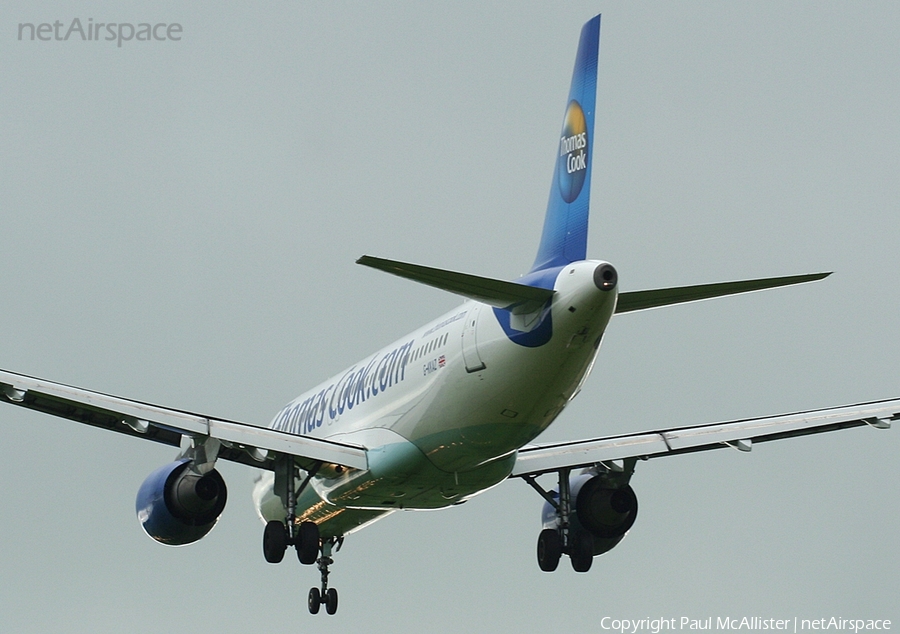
(642, 300)
(517, 298)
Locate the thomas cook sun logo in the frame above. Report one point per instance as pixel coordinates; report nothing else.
(573, 153)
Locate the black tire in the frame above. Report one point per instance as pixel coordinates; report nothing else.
(307, 543)
(331, 601)
(549, 549)
(314, 600)
(274, 542)
(581, 550)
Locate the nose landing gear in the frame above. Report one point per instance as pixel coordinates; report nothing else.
(327, 596)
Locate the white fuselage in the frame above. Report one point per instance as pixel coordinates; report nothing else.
(443, 410)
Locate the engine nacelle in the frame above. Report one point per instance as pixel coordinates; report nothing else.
(606, 512)
(177, 506)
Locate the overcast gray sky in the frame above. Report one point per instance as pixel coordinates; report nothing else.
(180, 221)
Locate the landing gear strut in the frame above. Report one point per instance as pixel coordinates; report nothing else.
(327, 596)
(279, 535)
(553, 542)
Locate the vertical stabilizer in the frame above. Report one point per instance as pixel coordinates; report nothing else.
(564, 238)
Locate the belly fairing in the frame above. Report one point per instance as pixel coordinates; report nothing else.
(399, 477)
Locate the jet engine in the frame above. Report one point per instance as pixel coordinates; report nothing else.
(606, 512)
(604, 509)
(176, 505)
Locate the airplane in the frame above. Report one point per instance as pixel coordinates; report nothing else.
(451, 409)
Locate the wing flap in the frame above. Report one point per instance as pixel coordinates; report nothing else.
(327, 451)
(168, 426)
(536, 459)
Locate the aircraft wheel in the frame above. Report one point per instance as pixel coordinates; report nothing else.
(549, 549)
(274, 542)
(307, 543)
(331, 601)
(582, 551)
(314, 600)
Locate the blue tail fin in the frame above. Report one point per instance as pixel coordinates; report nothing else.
(564, 238)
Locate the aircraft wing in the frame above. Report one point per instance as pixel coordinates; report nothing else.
(739, 434)
(240, 442)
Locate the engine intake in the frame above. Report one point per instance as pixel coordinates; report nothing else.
(178, 506)
(606, 512)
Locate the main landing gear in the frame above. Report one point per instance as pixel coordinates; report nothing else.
(589, 523)
(565, 538)
(304, 537)
(276, 539)
(550, 549)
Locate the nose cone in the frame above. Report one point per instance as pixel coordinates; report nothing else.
(605, 277)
